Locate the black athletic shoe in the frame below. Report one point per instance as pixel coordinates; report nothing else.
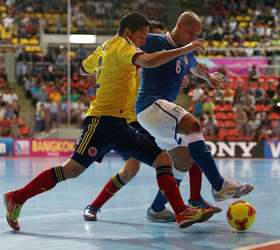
(90, 213)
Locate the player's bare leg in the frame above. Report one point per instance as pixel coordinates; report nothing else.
(127, 172)
(45, 181)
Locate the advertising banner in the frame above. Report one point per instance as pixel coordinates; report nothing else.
(237, 65)
(43, 147)
(234, 149)
(22, 147)
(271, 150)
(6, 146)
(61, 147)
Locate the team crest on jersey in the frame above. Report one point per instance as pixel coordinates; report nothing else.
(92, 151)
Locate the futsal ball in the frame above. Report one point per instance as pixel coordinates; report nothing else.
(241, 215)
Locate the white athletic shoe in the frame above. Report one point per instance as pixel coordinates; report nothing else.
(162, 216)
(232, 189)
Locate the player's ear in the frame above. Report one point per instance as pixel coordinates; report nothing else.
(127, 32)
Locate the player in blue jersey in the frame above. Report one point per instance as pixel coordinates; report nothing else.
(169, 123)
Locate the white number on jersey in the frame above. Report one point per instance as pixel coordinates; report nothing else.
(178, 66)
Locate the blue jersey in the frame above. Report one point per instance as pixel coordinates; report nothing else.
(162, 82)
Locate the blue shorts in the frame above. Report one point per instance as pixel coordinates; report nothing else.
(102, 134)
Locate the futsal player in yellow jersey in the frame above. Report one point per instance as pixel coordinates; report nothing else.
(105, 125)
(116, 76)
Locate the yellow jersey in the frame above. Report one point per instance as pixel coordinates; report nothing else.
(117, 77)
(132, 111)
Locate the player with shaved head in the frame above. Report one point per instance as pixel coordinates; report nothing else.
(171, 125)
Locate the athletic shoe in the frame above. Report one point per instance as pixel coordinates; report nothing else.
(90, 213)
(201, 203)
(232, 189)
(12, 210)
(162, 216)
(193, 215)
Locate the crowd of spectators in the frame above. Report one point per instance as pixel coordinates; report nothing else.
(244, 24)
(247, 25)
(245, 109)
(235, 23)
(45, 83)
(11, 123)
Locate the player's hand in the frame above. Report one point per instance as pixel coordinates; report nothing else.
(197, 45)
(217, 80)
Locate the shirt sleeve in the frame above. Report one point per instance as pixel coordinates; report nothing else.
(91, 63)
(192, 60)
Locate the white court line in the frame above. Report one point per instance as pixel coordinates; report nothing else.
(66, 213)
(269, 243)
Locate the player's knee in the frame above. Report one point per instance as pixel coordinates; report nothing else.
(72, 169)
(163, 159)
(133, 171)
(129, 170)
(195, 125)
(183, 166)
(189, 124)
(182, 161)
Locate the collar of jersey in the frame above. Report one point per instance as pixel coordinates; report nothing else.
(128, 40)
(170, 40)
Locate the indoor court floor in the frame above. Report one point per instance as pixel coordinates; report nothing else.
(54, 219)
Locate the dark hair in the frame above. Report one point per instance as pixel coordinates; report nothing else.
(156, 25)
(134, 21)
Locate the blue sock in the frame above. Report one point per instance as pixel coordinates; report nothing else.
(160, 200)
(202, 156)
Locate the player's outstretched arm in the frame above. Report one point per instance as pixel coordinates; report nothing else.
(158, 58)
(200, 71)
(215, 79)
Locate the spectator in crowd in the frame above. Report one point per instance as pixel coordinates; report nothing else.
(228, 94)
(241, 119)
(259, 94)
(218, 95)
(197, 93)
(14, 128)
(9, 113)
(55, 95)
(252, 126)
(248, 103)
(270, 92)
(265, 128)
(47, 117)
(198, 108)
(9, 95)
(39, 117)
(208, 106)
(253, 74)
(54, 109)
(209, 124)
